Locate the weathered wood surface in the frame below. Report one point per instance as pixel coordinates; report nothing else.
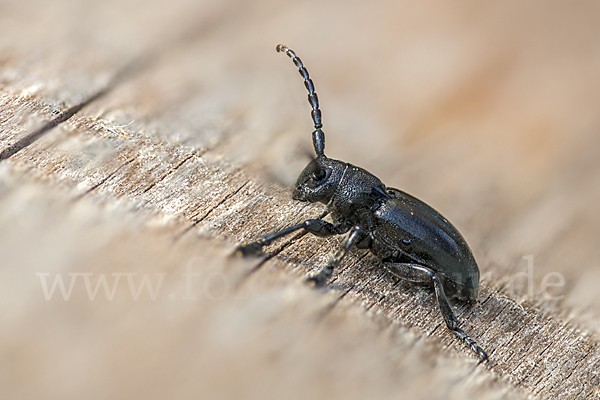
(140, 138)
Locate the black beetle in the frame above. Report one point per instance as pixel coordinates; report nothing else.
(412, 240)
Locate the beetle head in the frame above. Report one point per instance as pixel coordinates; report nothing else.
(319, 180)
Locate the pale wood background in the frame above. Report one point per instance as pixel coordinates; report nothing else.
(192, 129)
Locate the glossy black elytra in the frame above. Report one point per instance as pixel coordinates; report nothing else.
(412, 240)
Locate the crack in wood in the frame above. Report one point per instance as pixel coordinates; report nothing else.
(108, 177)
(565, 379)
(513, 336)
(543, 351)
(381, 298)
(196, 221)
(488, 297)
(124, 73)
(49, 125)
(435, 329)
(171, 171)
(128, 71)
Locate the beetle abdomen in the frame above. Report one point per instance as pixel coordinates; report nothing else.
(406, 224)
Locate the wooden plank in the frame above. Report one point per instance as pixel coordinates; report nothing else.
(169, 164)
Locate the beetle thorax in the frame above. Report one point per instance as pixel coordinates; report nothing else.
(336, 184)
(354, 195)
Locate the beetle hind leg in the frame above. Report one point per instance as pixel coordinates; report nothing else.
(451, 321)
(420, 274)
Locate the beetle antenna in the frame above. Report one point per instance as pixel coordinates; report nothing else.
(317, 135)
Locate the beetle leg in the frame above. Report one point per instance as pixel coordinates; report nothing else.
(323, 275)
(452, 322)
(317, 227)
(420, 274)
(410, 272)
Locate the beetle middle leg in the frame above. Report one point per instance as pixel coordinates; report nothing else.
(317, 227)
(325, 273)
(420, 274)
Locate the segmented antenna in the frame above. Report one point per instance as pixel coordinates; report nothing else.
(318, 135)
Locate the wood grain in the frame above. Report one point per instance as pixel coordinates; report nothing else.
(145, 141)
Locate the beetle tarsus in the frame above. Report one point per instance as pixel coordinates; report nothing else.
(462, 335)
(249, 249)
(321, 278)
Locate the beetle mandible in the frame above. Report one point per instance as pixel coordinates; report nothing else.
(411, 239)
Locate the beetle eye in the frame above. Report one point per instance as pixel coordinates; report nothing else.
(318, 173)
(317, 176)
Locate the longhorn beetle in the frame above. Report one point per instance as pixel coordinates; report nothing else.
(412, 240)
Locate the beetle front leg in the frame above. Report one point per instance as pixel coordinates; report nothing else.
(317, 227)
(420, 274)
(323, 275)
